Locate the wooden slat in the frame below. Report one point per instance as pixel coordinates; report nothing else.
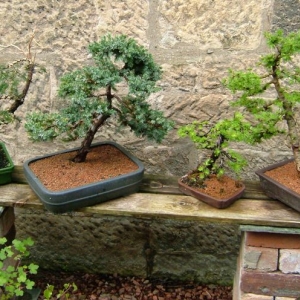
(150, 205)
(18, 175)
(245, 211)
(160, 198)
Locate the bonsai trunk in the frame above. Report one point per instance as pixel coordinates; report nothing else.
(194, 178)
(288, 116)
(97, 123)
(20, 99)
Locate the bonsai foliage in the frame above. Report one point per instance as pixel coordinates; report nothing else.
(216, 139)
(14, 275)
(280, 75)
(92, 96)
(15, 80)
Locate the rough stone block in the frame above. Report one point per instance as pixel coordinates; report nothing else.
(7, 219)
(289, 261)
(260, 259)
(271, 284)
(273, 240)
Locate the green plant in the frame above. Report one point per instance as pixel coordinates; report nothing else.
(62, 294)
(216, 139)
(276, 72)
(119, 64)
(14, 275)
(15, 80)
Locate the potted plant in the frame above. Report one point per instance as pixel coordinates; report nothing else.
(15, 80)
(208, 181)
(6, 165)
(116, 86)
(278, 74)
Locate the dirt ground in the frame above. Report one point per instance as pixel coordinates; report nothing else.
(113, 287)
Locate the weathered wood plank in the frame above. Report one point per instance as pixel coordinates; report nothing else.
(149, 205)
(161, 198)
(250, 211)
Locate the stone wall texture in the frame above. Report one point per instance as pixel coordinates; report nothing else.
(195, 41)
(146, 247)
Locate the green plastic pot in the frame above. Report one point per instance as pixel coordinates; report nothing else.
(6, 165)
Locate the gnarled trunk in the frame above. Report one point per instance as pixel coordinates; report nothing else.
(98, 122)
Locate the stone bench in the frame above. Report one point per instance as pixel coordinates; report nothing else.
(156, 233)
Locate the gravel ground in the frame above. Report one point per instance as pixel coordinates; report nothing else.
(114, 287)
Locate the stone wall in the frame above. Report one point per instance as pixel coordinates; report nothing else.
(145, 247)
(195, 41)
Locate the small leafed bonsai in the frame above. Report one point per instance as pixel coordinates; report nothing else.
(15, 80)
(216, 138)
(117, 84)
(278, 73)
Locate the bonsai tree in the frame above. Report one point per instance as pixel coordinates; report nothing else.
(119, 63)
(15, 80)
(216, 139)
(277, 72)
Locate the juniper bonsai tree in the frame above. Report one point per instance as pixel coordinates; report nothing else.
(92, 96)
(216, 138)
(277, 72)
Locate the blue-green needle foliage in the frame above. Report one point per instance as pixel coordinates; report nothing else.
(277, 72)
(216, 139)
(92, 95)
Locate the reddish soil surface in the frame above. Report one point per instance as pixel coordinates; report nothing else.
(58, 172)
(114, 287)
(286, 175)
(219, 188)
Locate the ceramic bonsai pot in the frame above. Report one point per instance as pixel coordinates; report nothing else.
(276, 190)
(6, 165)
(218, 203)
(89, 194)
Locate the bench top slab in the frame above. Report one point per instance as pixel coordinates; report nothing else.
(172, 206)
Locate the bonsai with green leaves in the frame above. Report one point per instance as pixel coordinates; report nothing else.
(216, 138)
(278, 73)
(117, 84)
(15, 81)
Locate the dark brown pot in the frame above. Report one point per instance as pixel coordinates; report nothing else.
(215, 202)
(276, 190)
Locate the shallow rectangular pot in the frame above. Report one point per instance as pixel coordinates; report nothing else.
(86, 195)
(218, 203)
(276, 190)
(6, 172)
